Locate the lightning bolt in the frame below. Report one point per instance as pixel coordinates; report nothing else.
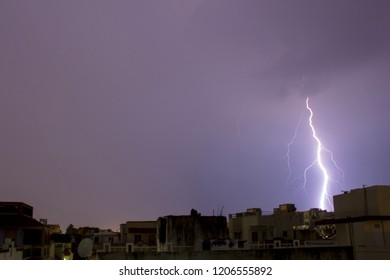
(324, 190)
(324, 199)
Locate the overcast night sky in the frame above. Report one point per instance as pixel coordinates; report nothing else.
(129, 110)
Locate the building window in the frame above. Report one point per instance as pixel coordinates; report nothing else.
(137, 238)
(285, 233)
(237, 235)
(255, 236)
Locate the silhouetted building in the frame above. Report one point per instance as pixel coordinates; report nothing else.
(107, 241)
(18, 227)
(139, 232)
(310, 231)
(189, 233)
(134, 236)
(54, 229)
(106, 236)
(87, 232)
(253, 230)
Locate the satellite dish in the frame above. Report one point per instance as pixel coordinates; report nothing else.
(85, 247)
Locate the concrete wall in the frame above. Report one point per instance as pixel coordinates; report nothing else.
(144, 230)
(317, 253)
(284, 222)
(106, 237)
(247, 223)
(11, 254)
(369, 201)
(364, 234)
(370, 238)
(372, 253)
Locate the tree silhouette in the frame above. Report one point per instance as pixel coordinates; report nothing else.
(70, 229)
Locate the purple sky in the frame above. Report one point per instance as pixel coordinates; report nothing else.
(129, 110)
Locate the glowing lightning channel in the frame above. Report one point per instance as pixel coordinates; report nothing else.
(324, 192)
(324, 196)
(288, 151)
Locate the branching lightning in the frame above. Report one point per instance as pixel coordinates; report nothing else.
(324, 197)
(289, 150)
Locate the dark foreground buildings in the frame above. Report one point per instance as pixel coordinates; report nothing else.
(359, 228)
(21, 236)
